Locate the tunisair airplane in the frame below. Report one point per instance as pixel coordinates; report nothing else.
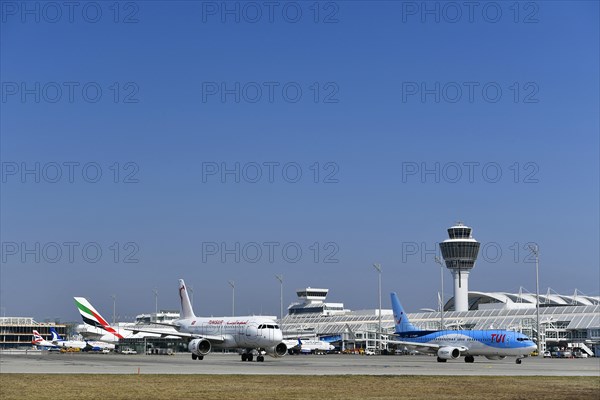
(494, 344)
(250, 335)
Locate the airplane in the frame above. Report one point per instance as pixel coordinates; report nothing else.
(97, 329)
(494, 344)
(79, 344)
(38, 340)
(247, 334)
(92, 317)
(308, 346)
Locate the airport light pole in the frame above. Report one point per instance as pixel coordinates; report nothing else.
(114, 299)
(378, 268)
(439, 261)
(155, 291)
(191, 290)
(280, 279)
(536, 252)
(232, 284)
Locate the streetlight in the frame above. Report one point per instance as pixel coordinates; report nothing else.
(280, 279)
(232, 284)
(378, 268)
(191, 290)
(536, 252)
(155, 291)
(114, 298)
(439, 261)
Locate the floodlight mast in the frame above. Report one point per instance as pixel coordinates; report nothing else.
(536, 252)
(232, 284)
(280, 279)
(439, 261)
(378, 268)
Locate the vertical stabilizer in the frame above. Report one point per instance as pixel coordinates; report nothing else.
(400, 318)
(37, 337)
(55, 335)
(186, 306)
(92, 317)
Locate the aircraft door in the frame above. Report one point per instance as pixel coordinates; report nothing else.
(252, 334)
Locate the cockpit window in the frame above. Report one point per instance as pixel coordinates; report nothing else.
(261, 327)
(523, 339)
(276, 326)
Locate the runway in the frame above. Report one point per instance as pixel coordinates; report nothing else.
(87, 363)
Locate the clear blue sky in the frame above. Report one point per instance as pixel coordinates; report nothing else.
(375, 126)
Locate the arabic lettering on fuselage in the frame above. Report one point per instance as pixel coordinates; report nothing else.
(220, 322)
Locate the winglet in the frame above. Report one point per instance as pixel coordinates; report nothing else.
(400, 318)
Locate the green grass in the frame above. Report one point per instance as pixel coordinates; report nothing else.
(283, 387)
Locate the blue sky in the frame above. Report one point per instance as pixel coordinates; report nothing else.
(514, 96)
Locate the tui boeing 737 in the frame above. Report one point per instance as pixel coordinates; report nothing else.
(450, 344)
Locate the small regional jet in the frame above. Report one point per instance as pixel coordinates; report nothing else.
(308, 346)
(450, 344)
(247, 334)
(58, 341)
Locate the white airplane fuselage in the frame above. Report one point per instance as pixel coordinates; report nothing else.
(237, 332)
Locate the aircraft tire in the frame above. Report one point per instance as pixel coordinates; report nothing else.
(518, 361)
(441, 359)
(194, 356)
(250, 357)
(469, 359)
(244, 357)
(200, 358)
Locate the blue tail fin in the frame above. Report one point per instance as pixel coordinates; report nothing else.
(55, 335)
(400, 318)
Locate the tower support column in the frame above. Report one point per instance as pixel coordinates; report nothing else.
(461, 289)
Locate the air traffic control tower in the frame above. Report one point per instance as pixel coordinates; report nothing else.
(460, 252)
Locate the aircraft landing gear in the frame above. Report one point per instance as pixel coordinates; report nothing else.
(441, 359)
(260, 359)
(200, 358)
(469, 359)
(518, 360)
(194, 356)
(247, 357)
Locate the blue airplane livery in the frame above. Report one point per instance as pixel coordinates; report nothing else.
(494, 344)
(58, 341)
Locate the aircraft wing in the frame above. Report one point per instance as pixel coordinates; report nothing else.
(431, 347)
(416, 346)
(212, 338)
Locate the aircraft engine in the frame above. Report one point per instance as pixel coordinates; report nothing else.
(448, 353)
(495, 357)
(278, 351)
(199, 347)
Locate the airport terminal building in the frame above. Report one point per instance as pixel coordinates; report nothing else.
(565, 321)
(17, 332)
